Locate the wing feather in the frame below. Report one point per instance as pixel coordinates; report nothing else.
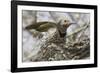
(41, 26)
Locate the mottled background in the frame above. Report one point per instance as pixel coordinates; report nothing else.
(32, 44)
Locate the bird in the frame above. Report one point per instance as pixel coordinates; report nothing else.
(46, 25)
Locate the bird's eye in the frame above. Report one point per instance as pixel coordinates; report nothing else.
(65, 20)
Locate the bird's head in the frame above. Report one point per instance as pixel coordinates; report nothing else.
(66, 23)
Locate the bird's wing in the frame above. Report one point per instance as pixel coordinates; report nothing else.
(42, 26)
(35, 25)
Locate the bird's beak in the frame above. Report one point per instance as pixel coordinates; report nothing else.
(72, 23)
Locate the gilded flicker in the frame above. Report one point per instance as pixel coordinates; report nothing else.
(45, 26)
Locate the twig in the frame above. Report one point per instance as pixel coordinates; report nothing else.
(78, 30)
